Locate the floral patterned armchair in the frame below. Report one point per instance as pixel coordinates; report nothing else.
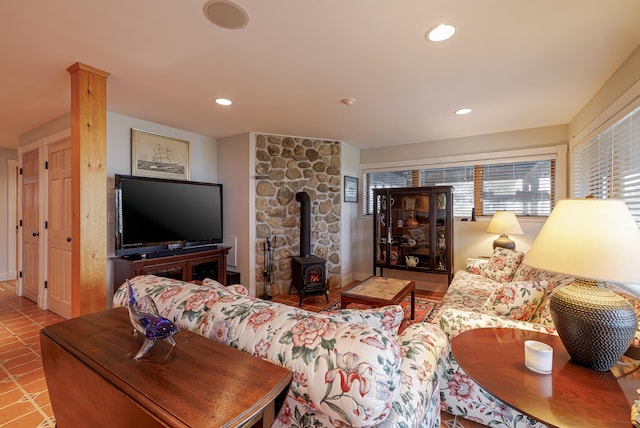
(350, 367)
(498, 292)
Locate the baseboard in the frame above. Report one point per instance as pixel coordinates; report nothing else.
(6, 276)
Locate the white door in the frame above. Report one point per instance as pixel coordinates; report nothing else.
(59, 228)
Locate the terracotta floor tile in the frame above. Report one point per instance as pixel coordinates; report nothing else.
(33, 419)
(17, 323)
(32, 376)
(27, 368)
(16, 411)
(10, 397)
(7, 382)
(10, 344)
(14, 318)
(15, 352)
(27, 357)
(37, 387)
(26, 330)
(32, 339)
(51, 421)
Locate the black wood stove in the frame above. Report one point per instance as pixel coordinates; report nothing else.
(308, 273)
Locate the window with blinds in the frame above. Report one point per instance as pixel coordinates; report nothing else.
(527, 188)
(608, 165)
(380, 180)
(524, 188)
(461, 180)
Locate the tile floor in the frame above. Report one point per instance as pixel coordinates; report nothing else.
(24, 401)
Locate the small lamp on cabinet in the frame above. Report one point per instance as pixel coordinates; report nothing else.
(505, 223)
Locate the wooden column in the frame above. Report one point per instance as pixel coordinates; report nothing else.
(88, 189)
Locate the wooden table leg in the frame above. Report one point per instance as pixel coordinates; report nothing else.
(413, 304)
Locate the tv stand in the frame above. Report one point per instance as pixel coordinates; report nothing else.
(196, 264)
(178, 251)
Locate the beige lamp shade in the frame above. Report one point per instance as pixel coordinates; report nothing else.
(505, 222)
(596, 239)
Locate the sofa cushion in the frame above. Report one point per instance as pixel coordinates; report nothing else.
(237, 289)
(554, 280)
(516, 300)
(503, 264)
(386, 318)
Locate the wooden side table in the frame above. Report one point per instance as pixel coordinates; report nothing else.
(571, 396)
(94, 381)
(378, 291)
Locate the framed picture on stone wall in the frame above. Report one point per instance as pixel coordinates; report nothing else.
(350, 189)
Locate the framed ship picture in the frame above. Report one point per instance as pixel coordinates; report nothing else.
(159, 156)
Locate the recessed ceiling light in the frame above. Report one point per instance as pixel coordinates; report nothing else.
(226, 14)
(223, 101)
(463, 111)
(441, 32)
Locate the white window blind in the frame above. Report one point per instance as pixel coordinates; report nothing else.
(525, 187)
(608, 165)
(461, 180)
(522, 187)
(380, 180)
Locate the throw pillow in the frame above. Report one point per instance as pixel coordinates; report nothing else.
(237, 289)
(503, 264)
(515, 300)
(387, 318)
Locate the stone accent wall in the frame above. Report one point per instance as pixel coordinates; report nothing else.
(286, 166)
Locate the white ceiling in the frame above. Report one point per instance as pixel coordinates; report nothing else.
(518, 64)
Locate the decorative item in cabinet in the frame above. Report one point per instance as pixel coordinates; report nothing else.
(411, 221)
(413, 229)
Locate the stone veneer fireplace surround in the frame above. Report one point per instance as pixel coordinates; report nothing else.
(284, 166)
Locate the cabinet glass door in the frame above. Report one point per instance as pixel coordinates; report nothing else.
(411, 228)
(441, 231)
(381, 229)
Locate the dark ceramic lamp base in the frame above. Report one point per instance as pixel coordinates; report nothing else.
(595, 324)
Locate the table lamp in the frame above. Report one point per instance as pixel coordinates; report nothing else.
(505, 223)
(595, 240)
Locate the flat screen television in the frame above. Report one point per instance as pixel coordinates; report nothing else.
(154, 214)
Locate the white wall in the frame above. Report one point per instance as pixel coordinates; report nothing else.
(203, 160)
(203, 150)
(349, 248)
(512, 140)
(236, 172)
(624, 78)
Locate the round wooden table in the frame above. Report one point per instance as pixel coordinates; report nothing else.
(571, 396)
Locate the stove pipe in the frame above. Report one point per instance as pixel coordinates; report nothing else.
(305, 223)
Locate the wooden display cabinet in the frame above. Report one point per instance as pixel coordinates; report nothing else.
(413, 229)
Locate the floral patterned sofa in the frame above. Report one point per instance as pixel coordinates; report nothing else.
(351, 367)
(498, 292)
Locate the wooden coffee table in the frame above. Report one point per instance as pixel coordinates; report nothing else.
(378, 291)
(571, 396)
